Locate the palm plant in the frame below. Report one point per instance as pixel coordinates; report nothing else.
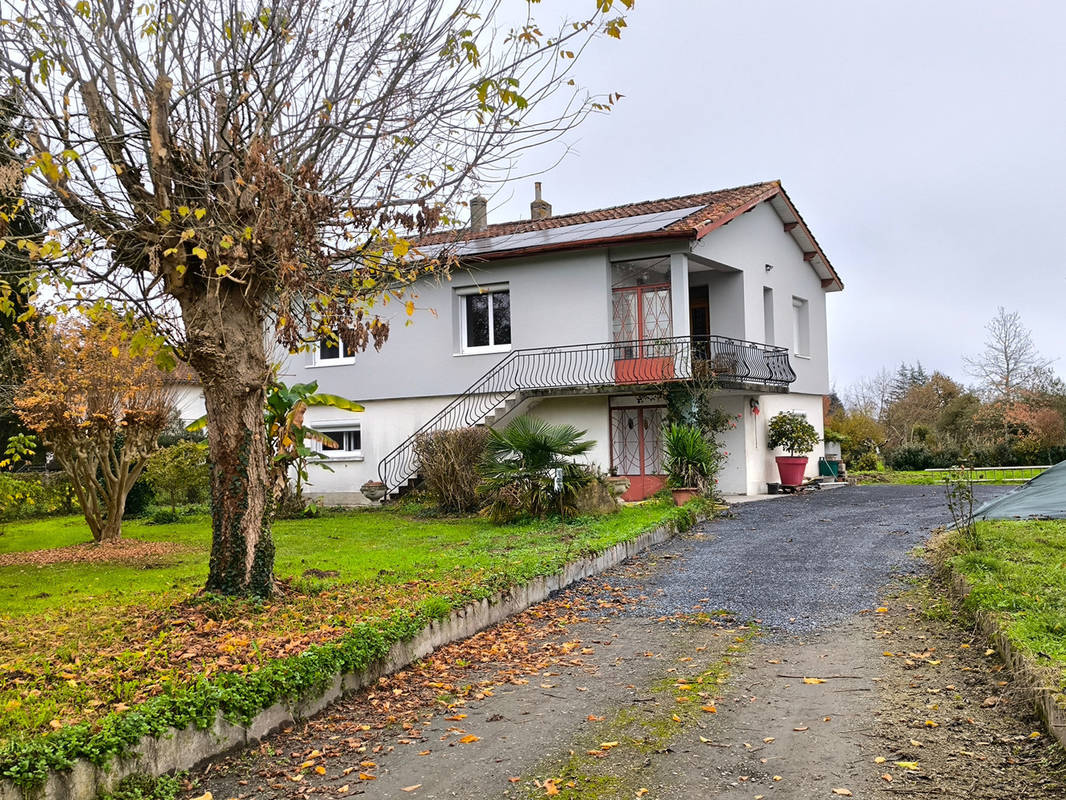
(691, 460)
(521, 463)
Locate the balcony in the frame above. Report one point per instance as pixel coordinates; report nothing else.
(634, 366)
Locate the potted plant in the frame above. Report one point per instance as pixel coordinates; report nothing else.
(373, 490)
(792, 432)
(691, 462)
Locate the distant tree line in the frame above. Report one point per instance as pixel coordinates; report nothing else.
(1014, 414)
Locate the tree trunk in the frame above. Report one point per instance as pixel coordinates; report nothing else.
(225, 335)
(111, 531)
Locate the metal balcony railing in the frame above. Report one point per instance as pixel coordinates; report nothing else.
(731, 362)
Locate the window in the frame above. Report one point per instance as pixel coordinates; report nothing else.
(768, 314)
(330, 351)
(801, 327)
(486, 319)
(349, 442)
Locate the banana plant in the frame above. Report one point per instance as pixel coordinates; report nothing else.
(290, 439)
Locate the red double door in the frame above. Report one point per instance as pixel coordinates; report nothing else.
(637, 448)
(642, 324)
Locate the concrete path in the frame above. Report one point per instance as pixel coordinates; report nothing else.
(793, 650)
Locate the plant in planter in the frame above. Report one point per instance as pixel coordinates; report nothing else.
(691, 462)
(792, 432)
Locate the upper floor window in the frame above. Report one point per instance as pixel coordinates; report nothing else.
(486, 318)
(333, 351)
(801, 327)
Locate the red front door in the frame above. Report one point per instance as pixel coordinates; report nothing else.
(637, 448)
(641, 315)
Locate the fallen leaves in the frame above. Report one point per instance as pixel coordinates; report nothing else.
(842, 792)
(813, 681)
(470, 738)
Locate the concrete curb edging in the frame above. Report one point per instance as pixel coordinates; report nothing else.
(190, 747)
(1039, 682)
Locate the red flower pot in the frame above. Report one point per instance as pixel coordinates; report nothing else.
(682, 496)
(791, 469)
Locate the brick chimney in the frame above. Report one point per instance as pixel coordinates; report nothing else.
(539, 209)
(479, 213)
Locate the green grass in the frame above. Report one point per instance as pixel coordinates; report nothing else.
(1019, 574)
(923, 478)
(80, 640)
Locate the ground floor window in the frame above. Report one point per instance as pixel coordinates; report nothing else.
(349, 442)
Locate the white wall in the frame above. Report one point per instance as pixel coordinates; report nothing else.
(554, 301)
(760, 464)
(588, 413)
(188, 400)
(749, 243)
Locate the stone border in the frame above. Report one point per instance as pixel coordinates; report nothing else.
(190, 747)
(1039, 682)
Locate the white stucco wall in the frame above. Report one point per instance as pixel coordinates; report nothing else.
(750, 243)
(760, 465)
(585, 413)
(188, 400)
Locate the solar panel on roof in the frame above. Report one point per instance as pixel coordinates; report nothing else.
(601, 229)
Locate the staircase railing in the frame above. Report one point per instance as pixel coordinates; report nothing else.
(628, 363)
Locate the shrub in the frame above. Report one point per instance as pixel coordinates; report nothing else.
(866, 462)
(448, 463)
(179, 473)
(520, 464)
(792, 432)
(18, 498)
(25, 496)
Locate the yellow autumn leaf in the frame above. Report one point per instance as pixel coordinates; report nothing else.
(906, 764)
(813, 680)
(364, 777)
(709, 709)
(183, 210)
(470, 738)
(882, 610)
(200, 253)
(200, 213)
(320, 770)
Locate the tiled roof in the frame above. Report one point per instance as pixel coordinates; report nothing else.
(712, 209)
(714, 205)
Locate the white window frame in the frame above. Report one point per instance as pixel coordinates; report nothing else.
(465, 292)
(333, 454)
(318, 361)
(801, 327)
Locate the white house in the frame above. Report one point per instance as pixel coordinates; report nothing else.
(581, 318)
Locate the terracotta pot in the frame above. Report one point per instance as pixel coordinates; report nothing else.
(791, 469)
(682, 496)
(373, 491)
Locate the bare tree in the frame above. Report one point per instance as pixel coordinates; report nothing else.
(1010, 362)
(232, 169)
(871, 396)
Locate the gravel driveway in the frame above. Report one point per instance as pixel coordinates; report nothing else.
(804, 562)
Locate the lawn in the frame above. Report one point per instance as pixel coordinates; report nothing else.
(1019, 574)
(81, 640)
(924, 478)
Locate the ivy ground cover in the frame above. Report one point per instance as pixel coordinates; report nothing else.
(84, 637)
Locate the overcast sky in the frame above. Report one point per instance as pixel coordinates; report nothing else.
(923, 142)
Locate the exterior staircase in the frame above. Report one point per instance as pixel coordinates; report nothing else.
(604, 367)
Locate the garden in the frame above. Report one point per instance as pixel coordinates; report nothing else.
(107, 629)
